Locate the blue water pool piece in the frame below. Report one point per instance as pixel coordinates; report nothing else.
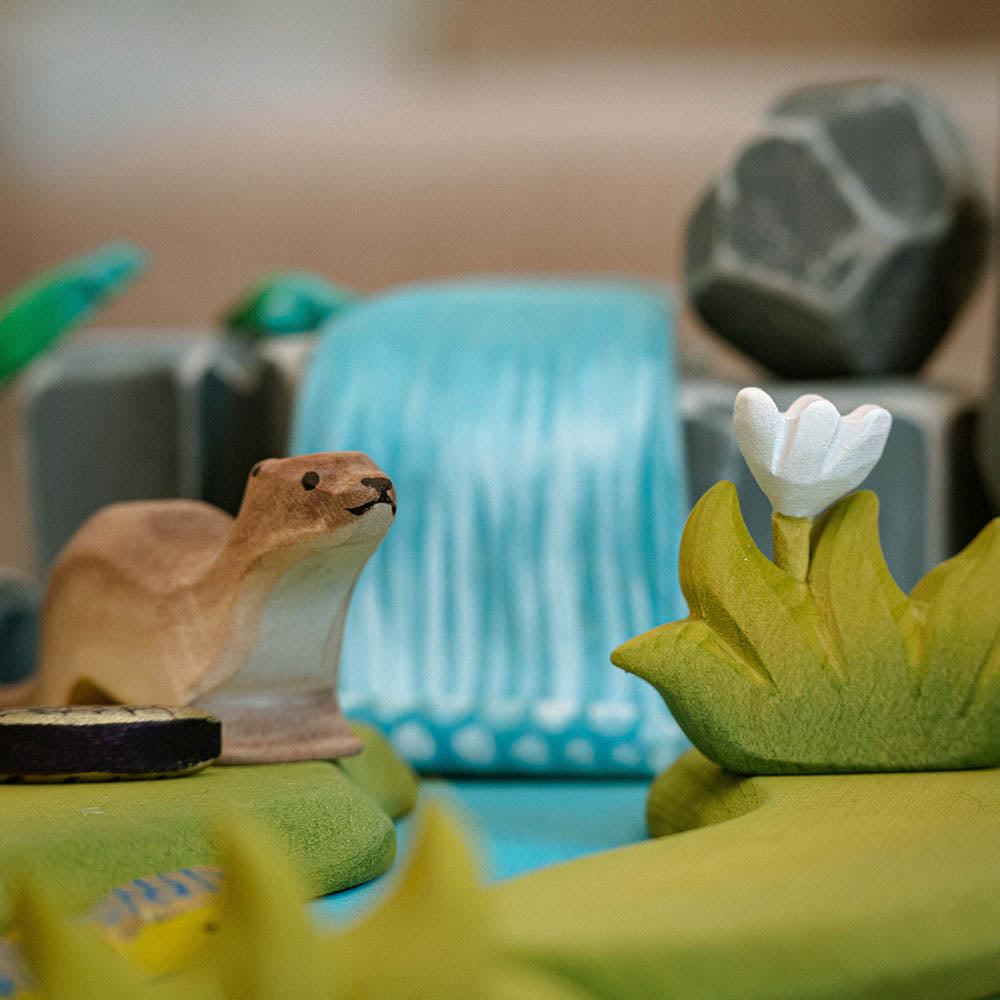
(533, 434)
(519, 825)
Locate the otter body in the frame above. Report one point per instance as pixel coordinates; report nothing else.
(174, 602)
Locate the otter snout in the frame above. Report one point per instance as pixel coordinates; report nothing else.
(385, 494)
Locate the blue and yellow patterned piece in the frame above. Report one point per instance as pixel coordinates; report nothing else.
(159, 922)
(16, 982)
(162, 920)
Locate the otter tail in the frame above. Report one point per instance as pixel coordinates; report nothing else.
(19, 693)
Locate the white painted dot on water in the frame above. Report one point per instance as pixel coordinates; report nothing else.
(390, 708)
(660, 757)
(612, 718)
(451, 710)
(475, 745)
(414, 742)
(579, 751)
(626, 755)
(354, 702)
(531, 749)
(504, 713)
(555, 716)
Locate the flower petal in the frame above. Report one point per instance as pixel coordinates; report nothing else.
(757, 425)
(807, 457)
(858, 445)
(811, 430)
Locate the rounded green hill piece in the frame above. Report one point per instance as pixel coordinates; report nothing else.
(814, 887)
(88, 838)
(286, 303)
(378, 769)
(839, 672)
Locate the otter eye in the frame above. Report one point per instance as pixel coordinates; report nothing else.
(256, 469)
(310, 480)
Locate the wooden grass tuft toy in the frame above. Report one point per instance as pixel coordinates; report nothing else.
(174, 602)
(818, 662)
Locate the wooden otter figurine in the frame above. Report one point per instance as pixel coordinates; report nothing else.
(174, 602)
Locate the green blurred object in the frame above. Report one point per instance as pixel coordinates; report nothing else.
(813, 887)
(817, 887)
(33, 316)
(290, 302)
(378, 769)
(87, 839)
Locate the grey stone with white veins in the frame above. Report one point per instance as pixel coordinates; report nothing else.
(989, 423)
(844, 237)
(133, 419)
(18, 627)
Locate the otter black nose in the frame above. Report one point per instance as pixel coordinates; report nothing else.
(383, 485)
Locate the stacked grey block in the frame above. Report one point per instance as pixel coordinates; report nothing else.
(989, 438)
(843, 238)
(18, 627)
(989, 427)
(127, 419)
(107, 421)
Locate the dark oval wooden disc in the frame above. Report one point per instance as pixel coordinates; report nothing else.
(105, 742)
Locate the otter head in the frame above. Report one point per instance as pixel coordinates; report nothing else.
(330, 498)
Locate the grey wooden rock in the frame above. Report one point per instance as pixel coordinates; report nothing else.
(133, 419)
(989, 427)
(18, 627)
(843, 238)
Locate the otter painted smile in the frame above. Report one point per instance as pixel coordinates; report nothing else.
(381, 484)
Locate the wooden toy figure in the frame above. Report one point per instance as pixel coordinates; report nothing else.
(818, 662)
(174, 602)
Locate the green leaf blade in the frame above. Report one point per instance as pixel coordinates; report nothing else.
(39, 312)
(960, 604)
(757, 609)
(861, 609)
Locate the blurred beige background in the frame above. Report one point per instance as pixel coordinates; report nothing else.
(386, 142)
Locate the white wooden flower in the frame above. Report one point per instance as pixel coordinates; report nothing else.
(808, 456)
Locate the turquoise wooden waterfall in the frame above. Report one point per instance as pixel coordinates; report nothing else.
(533, 434)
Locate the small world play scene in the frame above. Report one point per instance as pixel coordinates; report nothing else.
(435, 567)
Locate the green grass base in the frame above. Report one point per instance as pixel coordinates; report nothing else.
(819, 886)
(334, 820)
